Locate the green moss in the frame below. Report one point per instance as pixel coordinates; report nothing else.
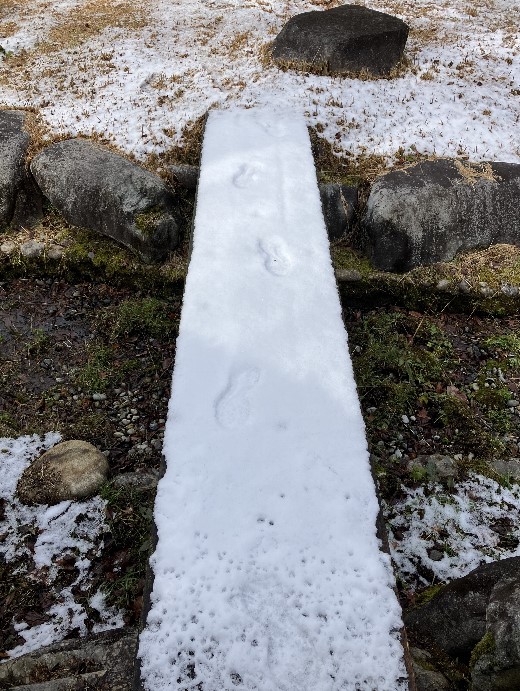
(130, 519)
(146, 222)
(465, 428)
(346, 258)
(145, 317)
(8, 425)
(105, 367)
(504, 344)
(426, 595)
(486, 646)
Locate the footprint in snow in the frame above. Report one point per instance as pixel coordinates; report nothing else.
(245, 176)
(232, 408)
(275, 129)
(276, 256)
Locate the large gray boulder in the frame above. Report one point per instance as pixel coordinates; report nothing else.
(339, 204)
(71, 470)
(496, 660)
(434, 209)
(344, 40)
(475, 620)
(94, 188)
(20, 200)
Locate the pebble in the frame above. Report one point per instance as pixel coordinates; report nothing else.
(435, 555)
(54, 252)
(405, 419)
(99, 397)
(8, 247)
(443, 284)
(509, 290)
(512, 403)
(31, 249)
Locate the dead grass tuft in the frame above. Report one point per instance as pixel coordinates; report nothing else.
(6, 7)
(323, 68)
(473, 172)
(187, 152)
(95, 16)
(494, 263)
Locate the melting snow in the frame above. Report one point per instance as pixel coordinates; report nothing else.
(140, 85)
(457, 523)
(66, 528)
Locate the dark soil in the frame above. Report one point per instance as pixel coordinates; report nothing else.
(94, 362)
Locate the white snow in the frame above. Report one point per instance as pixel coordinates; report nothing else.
(268, 572)
(459, 522)
(139, 87)
(68, 528)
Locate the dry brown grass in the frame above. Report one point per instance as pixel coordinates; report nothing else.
(94, 16)
(473, 172)
(6, 8)
(7, 28)
(187, 152)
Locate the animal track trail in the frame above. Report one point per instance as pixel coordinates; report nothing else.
(233, 408)
(277, 259)
(246, 175)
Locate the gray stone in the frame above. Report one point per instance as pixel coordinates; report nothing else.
(339, 204)
(498, 667)
(454, 619)
(429, 212)
(184, 175)
(32, 249)
(427, 678)
(70, 470)
(343, 40)
(54, 252)
(443, 284)
(436, 555)
(140, 481)
(108, 656)
(509, 290)
(348, 275)
(510, 469)
(96, 189)
(8, 247)
(512, 403)
(439, 467)
(20, 199)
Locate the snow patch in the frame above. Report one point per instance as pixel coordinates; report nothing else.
(458, 523)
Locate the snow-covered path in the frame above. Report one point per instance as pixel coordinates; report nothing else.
(268, 572)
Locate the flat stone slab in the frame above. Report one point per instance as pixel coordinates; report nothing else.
(268, 573)
(97, 189)
(429, 212)
(344, 40)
